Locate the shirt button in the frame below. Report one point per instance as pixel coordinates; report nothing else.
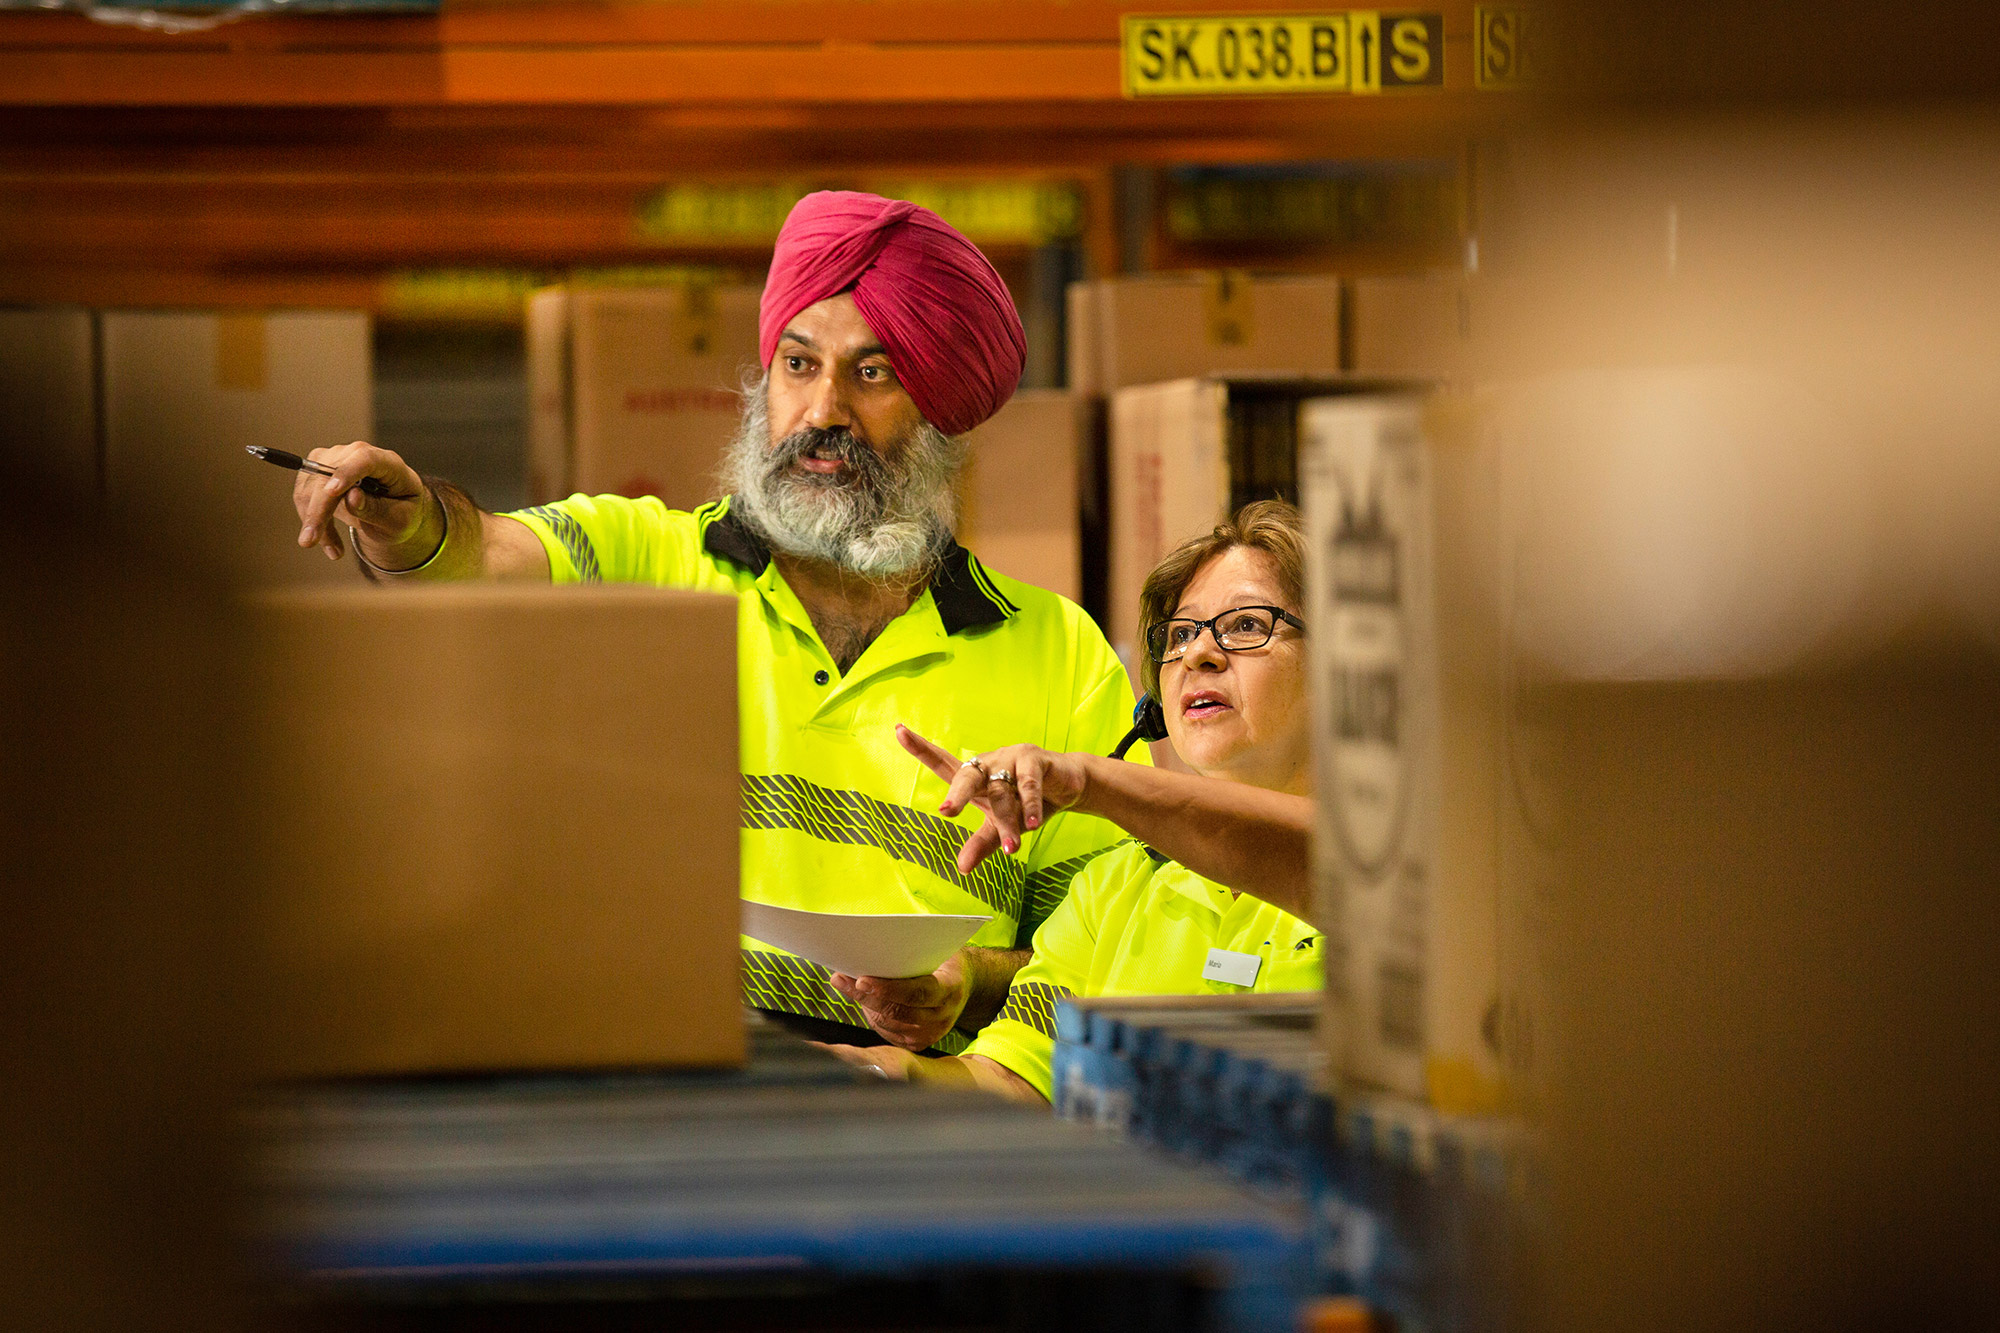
(819, 677)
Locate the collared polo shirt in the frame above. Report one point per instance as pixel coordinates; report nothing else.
(837, 817)
(1135, 923)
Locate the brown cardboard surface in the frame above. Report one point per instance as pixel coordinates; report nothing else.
(1181, 454)
(1169, 482)
(179, 407)
(1019, 492)
(518, 848)
(1449, 327)
(1144, 330)
(48, 396)
(1421, 841)
(1411, 325)
(547, 337)
(654, 384)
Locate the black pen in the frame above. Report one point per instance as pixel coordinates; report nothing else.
(278, 457)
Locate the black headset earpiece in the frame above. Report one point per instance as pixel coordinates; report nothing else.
(1149, 723)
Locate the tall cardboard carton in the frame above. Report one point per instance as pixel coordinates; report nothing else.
(517, 849)
(546, 335)
(1019, 493)
(48, 396)
(1419, 785)
(1169, 326)
(185, 391)
(636, 391)
(1184, 456)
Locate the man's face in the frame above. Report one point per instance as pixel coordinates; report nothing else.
(834, 461)
(830, 372)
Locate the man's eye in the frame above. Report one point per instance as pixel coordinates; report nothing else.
(795, 363)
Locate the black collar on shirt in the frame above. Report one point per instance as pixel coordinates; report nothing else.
(965, 598)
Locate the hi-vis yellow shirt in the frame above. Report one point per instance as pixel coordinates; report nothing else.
(1135, 923)
(836, 816)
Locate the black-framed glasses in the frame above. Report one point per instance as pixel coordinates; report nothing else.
(1236, 630)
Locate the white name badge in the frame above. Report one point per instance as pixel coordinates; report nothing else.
(1237, 969)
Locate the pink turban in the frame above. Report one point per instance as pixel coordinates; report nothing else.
(942, 313)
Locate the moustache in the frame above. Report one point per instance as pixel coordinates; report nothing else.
(837, 442)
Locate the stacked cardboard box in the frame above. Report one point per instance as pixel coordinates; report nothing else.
(185, 391)
(1446, 327)
(1142, 330)
(1184, 456)
(637, 390)
(523, 855)
(1018, 495)
(1155, 328)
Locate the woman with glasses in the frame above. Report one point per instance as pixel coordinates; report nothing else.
(1212, 893)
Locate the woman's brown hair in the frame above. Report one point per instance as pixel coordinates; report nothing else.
(1270, 526)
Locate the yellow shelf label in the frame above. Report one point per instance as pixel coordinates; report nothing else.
(1360, 51)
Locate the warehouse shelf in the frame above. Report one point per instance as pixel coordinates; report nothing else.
(792, 1165)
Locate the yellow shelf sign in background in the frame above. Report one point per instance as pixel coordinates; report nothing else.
(991, 212)
(1254, 55)
(1503, 51)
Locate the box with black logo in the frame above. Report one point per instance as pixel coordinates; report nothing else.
(1425, 858)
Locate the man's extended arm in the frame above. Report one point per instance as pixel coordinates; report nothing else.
(424, 527)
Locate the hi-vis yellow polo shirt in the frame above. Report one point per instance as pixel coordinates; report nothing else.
(1135, 923)
(836, 816)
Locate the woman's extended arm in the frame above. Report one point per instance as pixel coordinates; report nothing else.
(1245, 838)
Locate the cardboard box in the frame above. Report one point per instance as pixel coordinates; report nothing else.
(546, 338)
(1423, 833)
(636, 391)
(48, 396)
(1449, 327)
(1411, 325)
(185, 391)
(1143, 330)
(1019, 493)
(517, 848)
(1184, 456)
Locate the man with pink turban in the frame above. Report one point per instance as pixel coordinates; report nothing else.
(885, 336)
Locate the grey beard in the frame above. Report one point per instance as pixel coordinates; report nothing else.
(886, 517)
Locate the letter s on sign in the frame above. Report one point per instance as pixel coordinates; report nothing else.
(1499, 46)
(1152, 60)
(1411, 62)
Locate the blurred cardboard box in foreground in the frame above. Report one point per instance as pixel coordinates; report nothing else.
(185, 391)
(1018, 494)
(636, 390)
(48, 395)
(516, 848)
